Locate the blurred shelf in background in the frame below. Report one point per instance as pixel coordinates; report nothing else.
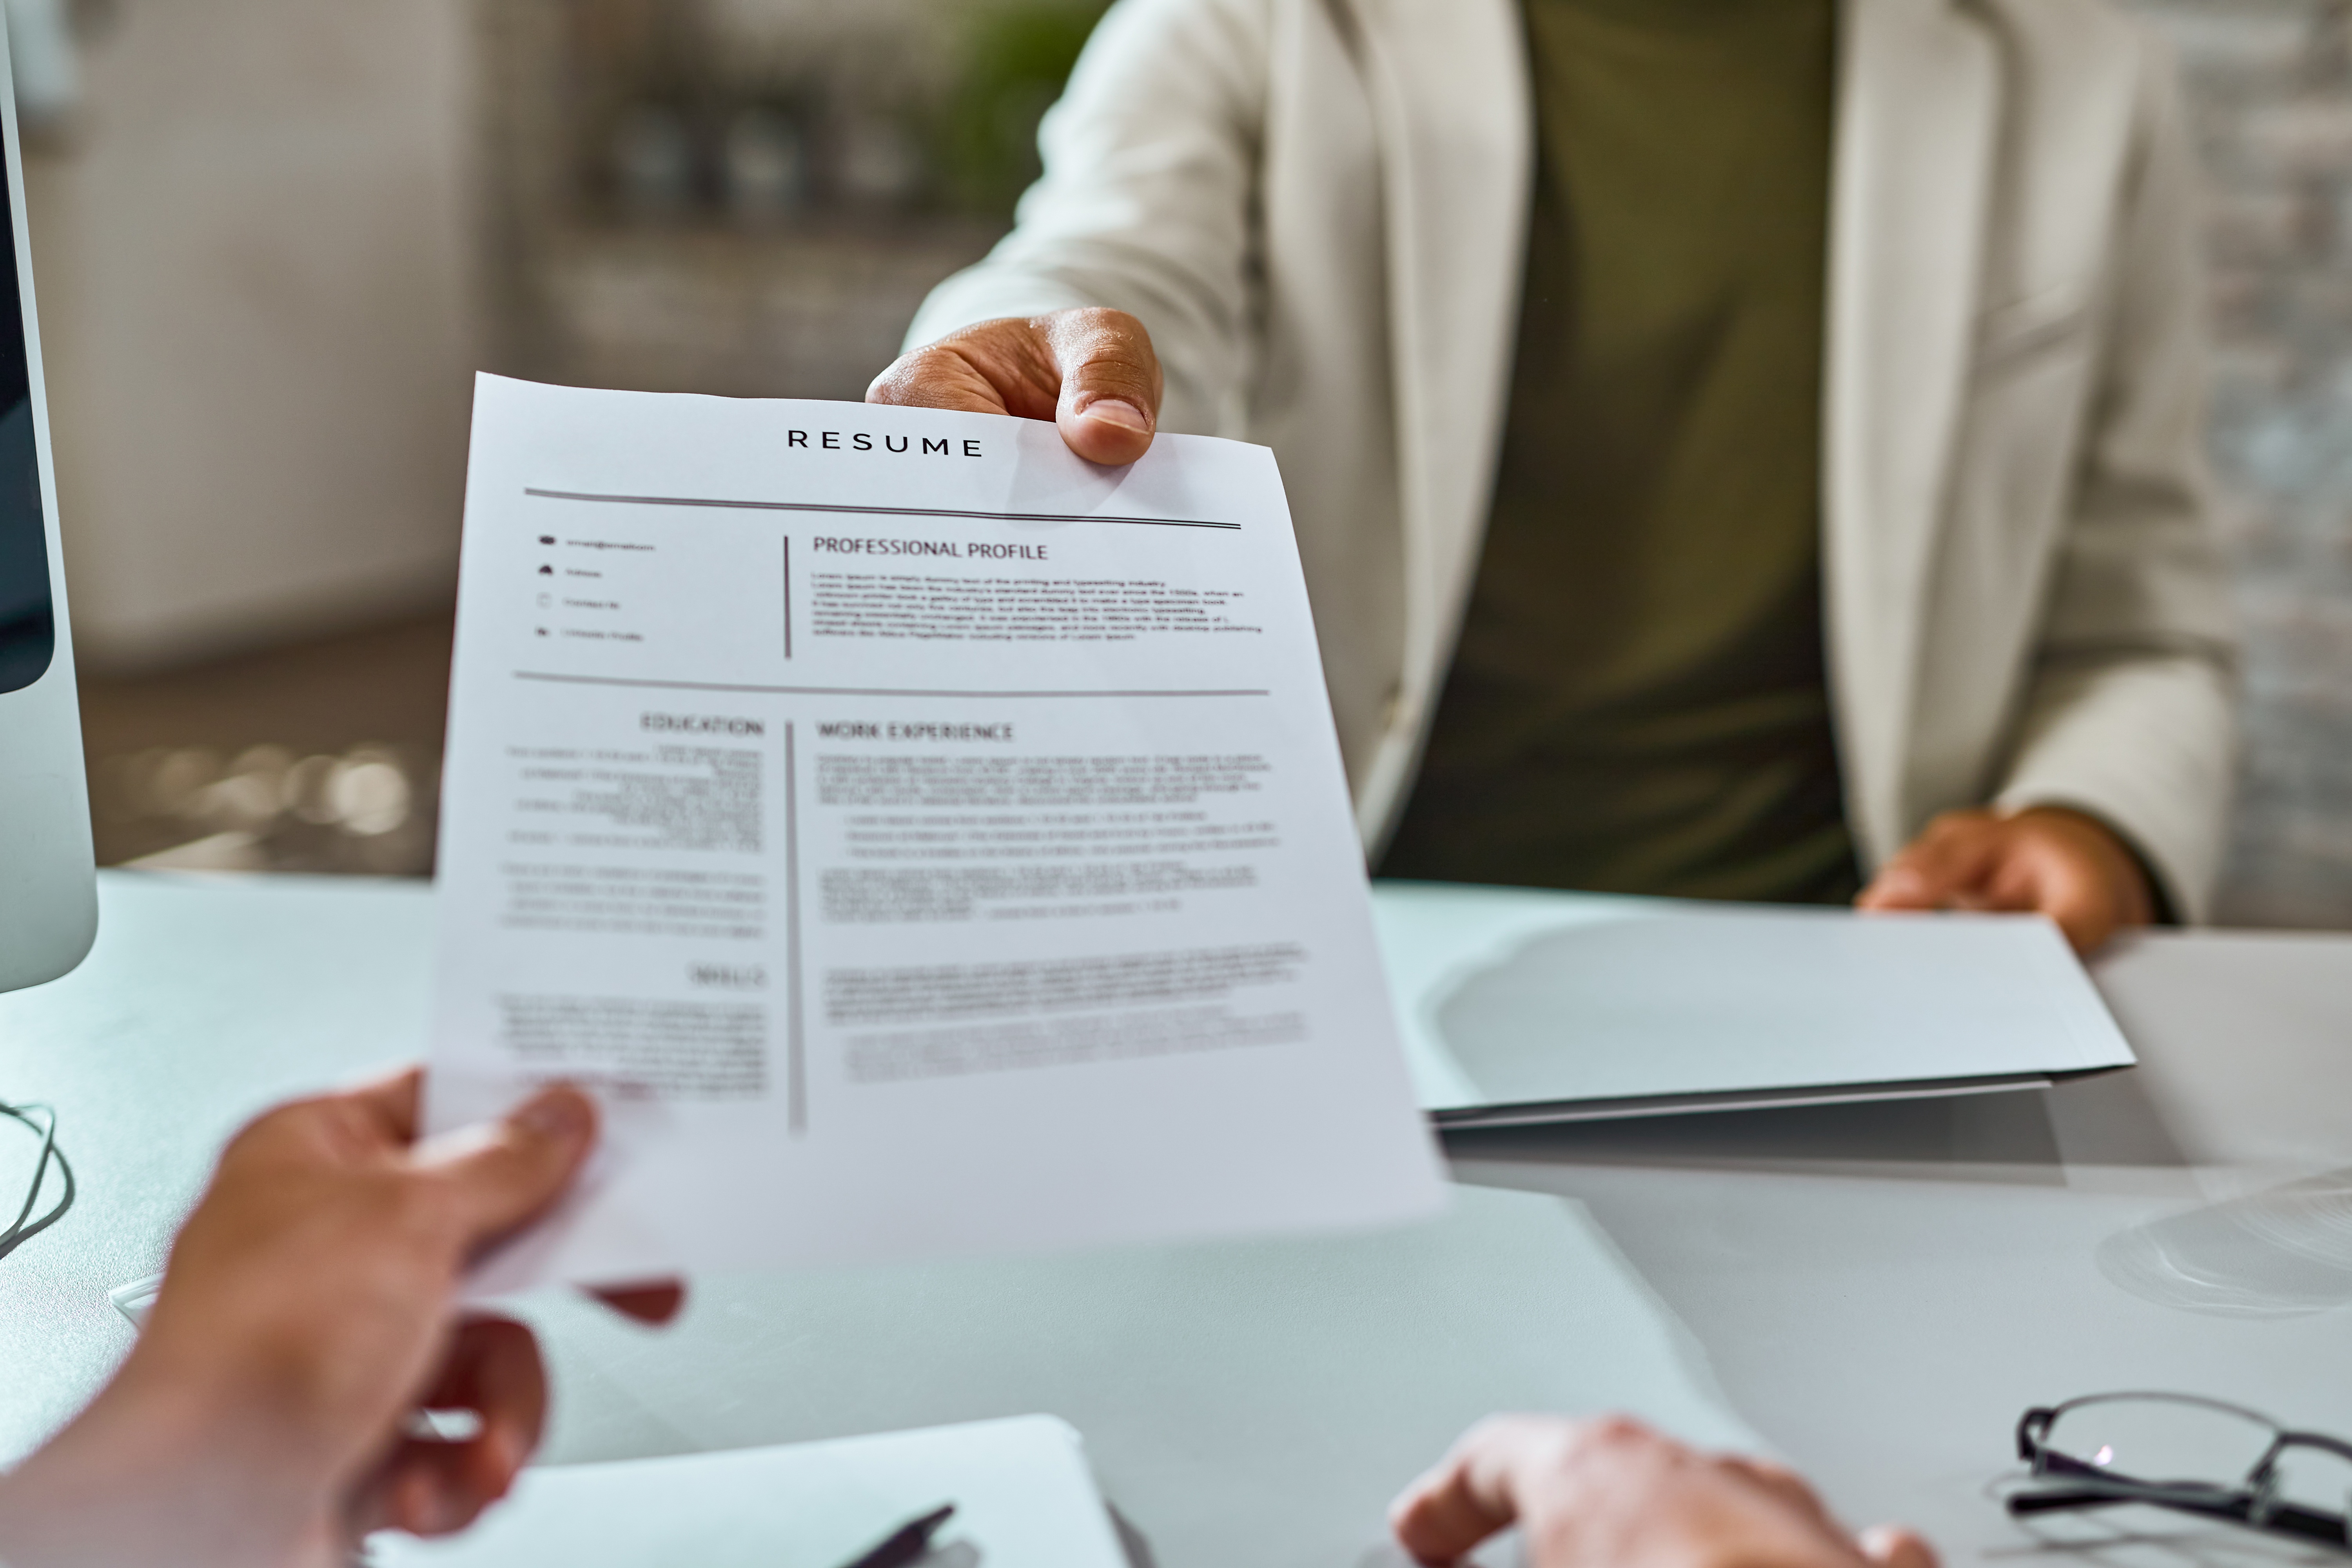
(752, 196)
(813, 313)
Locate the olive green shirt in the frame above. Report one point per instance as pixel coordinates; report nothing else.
(1639, 701)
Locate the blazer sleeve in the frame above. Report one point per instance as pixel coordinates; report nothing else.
(2128, 713)
(1148, 201)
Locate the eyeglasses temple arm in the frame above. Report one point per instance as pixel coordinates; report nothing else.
(2308, 1524)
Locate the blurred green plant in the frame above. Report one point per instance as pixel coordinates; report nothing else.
(1017, 54)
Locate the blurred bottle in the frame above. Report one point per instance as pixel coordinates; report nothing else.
(654, 163)
(766, 169)
(880, 165)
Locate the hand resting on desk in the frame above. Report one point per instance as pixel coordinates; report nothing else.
(2047, 860)
(1613, 1494)
(261, 1419)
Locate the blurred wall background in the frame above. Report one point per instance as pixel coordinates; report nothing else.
(276, 236)
(253, 248)
(2270, 84)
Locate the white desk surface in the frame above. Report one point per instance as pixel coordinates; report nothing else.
(1875, 1290)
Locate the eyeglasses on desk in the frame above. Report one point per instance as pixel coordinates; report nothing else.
(2188, 1453)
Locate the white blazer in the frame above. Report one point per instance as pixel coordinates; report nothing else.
(1318, 207)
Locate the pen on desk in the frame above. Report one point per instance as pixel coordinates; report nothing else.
(906, 1543)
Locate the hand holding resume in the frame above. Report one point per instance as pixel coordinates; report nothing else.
(925, 841)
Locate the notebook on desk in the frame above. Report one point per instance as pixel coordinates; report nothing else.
(1022, 1491)
(1520, 1006)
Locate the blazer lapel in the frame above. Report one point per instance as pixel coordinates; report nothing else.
(1918, 121)
(1448, 82)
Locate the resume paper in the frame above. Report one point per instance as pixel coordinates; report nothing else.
(923, 841)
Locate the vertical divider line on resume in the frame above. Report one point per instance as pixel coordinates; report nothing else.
(796, 1067)
(788, 597)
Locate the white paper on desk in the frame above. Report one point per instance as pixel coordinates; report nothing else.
(1021, 1488)
(932, 842)
(1598, 1006)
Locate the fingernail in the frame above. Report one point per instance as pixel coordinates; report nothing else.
(1114, 411)
(557, 1113)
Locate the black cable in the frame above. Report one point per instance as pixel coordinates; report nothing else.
(26, 1227)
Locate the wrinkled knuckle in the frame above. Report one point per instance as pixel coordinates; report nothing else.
(1007, 339)
(1099, 333)
(1101, 318)
(912, 373)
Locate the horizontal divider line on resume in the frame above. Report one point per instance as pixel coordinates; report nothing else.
(875, 510)
(845, 690)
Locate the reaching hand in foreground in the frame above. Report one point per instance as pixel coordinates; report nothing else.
(1614, 1494)
(1093, 371)
(2046, 860)
(261, 1419)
